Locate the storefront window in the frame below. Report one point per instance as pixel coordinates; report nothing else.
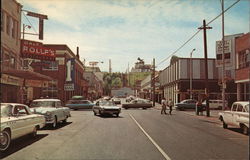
(244, 59)
(52, 65)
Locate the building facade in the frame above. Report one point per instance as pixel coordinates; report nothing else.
(67, 72)
(242, 77)
(175, 79)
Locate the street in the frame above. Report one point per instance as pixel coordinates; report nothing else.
(135, 134)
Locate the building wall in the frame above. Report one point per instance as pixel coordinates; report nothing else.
(175, 79)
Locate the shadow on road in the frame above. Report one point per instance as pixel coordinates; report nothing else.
(59, 125)
(238, 130)
(21, 143)
(109, 116)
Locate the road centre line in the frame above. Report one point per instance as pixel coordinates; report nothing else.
(151, 139)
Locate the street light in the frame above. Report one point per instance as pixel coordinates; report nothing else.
(24, 26)
(191, 73)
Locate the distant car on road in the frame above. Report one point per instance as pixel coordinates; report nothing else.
(79, 104)
(237, 116)
(106, 107)
(52, 109)
(130, 98)
(116, 100)
(214, 104)
(186, 104)
(138, 103)
(17, 120)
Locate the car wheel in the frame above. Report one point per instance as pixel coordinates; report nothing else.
(100, 113)
(54, 124)
(245, 130)
(94, 113)
(34, 133)
(144, 108)
(5, 140)
(224, 125)
(117, 115)
(65, 120)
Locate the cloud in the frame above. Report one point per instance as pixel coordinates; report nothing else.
(124, 30)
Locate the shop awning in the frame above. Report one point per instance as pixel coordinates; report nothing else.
(27, 74)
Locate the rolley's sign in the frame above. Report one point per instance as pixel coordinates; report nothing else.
(36, 50)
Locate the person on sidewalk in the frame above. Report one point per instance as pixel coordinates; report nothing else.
(163, 105)
(170, 105)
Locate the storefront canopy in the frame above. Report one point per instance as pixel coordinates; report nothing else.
(27, 74)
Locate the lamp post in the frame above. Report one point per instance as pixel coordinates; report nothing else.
(24, 26)
(191, 73)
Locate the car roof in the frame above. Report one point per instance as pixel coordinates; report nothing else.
(242, 102)
(14, 104)
(46, 100)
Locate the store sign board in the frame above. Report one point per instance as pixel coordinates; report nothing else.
(33, 83)
(36, 50)
(11, 80)
(69, 87)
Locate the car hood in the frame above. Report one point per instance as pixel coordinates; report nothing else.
(42, 110)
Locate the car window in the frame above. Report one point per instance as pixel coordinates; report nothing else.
(5, 110)
(42, 104)
(20, 110)
(58, 104)
(239, 108)
(234, 107)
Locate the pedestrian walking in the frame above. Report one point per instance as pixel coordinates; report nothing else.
(170, 105)
(163, 105)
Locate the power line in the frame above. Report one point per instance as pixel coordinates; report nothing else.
(30, 23)
(196, 34)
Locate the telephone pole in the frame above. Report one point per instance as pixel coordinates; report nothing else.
(205, 27)
(223, 58)
(153, 82)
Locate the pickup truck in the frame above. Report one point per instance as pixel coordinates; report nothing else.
(237, 116)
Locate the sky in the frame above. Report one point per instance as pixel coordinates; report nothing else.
(123, 30)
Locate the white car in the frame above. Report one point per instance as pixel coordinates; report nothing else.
(106, 107)
(17, 120)
(237, 116)
(52, 109)
(215, 104)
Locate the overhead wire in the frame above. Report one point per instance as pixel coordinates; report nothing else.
(30, 23)
(195, 34)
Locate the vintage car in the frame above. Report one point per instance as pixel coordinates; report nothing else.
(17, 120)
(237, 116)
(214, 103)
(52, 109)
(186, 104)
(79, 104)
(116, 100)
(138, 103)
(106, 107)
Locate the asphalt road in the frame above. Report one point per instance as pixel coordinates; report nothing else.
(136, 134)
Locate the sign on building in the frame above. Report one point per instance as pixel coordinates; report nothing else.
(36, 50)
(70, 70)
(69, 87)
(227, 52)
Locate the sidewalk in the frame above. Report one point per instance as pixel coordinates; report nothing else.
(214, 114)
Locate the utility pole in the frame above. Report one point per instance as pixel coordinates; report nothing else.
(223, 59)
(191, 74)
(153, 82)
(205, 27)
(110, 69)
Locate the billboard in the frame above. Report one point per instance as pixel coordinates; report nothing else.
(227, 52)
(36, 50)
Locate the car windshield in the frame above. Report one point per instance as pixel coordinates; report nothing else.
(43, 104)
(107, 103)
(5, 110)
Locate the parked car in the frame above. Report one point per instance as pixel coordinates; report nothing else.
(79, 104)
(215, 104)
(17, 120)
(130, 98)
(138, 103)
(237, 116)
(116, 100)
(106, 107)
(52, 109)
(186, 104)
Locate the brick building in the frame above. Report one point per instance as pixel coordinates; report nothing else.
(242, 77)
(67, 71)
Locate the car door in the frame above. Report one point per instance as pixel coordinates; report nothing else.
(237, 115)
(23, 120)
(62, 111)
(229, 115)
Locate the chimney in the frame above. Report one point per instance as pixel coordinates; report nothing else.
(77, 52)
